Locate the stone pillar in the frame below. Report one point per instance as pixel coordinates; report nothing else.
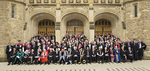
(57, 25)
(91, 22)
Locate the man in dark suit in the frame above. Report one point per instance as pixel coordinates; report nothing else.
(8, 50)
(76, 55)
(130, 54)
(93, 55)
(135, 50)
(100, 55)
(88, 55)
(12, 56)
(141, 47)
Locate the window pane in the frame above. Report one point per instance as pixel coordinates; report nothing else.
(13, 11)
(46, 22)
(135, 10)
(102, 22)
(105, 22)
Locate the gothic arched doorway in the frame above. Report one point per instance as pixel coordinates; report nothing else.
(74, 26)
(102, 26)
(46, 27)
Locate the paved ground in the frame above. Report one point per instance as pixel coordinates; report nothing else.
(143, 65)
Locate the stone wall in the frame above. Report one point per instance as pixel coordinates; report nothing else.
(11, 28)
(138, 27)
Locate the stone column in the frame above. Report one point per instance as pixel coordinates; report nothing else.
(91, 22)
(57, 25)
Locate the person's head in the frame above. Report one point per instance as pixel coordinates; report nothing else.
(9, 43)
(139, 41)
(105, 49)
(110, 48)
(20, 50)
(27, 51)
(75, 47)
(129, 48)
(68, 49)
(32, 50)
(87, 47)
(14, 49)
(116, 47)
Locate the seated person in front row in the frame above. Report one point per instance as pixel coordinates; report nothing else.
(93, 54)
(82, 53)
(62, 56)
(50, 56)
(76, 55)
(69, 56)
(130, 54)
(88, 55)
(32, 56)
(12, 56)
(43, 57)
(56, 55)
(19, 57)
(100, 55)
(26, 56)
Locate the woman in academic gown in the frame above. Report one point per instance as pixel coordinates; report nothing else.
(117, 54)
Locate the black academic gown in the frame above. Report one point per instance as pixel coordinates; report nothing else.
(135, 50)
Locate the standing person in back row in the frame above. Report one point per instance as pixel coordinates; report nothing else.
(135, 50)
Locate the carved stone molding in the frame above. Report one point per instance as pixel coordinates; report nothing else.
(91, 8)
(92, 27)
(57, 27)
(57, 8)
(91, 23)
(57, 23)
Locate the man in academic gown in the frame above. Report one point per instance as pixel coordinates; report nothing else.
(43, 58)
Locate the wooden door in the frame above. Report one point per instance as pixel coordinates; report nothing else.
(46, 27)
(74, 27)
(102, 26)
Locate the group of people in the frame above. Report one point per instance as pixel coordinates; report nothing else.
(74, 49)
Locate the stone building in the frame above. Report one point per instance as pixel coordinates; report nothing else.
(22, 19)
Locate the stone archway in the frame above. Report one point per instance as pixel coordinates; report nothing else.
(32, 25)
(116, 24)
(76, 16)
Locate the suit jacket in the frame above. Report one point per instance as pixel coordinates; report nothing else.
(135, 47)
(7, 50)
(76, 52)
(86, 53)
(93, 53)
